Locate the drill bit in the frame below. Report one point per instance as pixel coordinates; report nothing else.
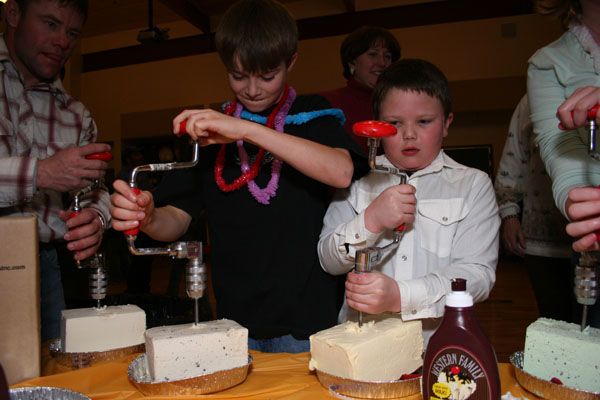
(363, 263)
(195, 272)
(586, 283)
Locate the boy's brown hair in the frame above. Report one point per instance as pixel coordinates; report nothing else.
(260, 34)
(411, 74)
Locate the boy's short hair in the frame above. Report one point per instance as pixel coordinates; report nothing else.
(361, 40)
(261, 34)
(81, 6)
(415, 75)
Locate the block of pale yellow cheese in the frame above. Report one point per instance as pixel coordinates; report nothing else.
(558, 349)
(185, 351)
(86, 330)
(380, 350)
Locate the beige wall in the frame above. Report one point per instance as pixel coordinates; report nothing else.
(487, 73)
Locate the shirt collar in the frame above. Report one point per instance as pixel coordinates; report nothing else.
(440, 162)
(585, 38)
(56, 87)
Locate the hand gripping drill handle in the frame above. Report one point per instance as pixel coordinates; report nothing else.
(192, 251)
(131, 234)
(374, 131)
(591, 126)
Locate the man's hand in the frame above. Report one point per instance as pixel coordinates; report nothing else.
(573, 112)
(372, 292)
(85, 232)
(68, 169)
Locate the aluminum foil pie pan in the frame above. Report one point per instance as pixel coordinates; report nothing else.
(139, 376)
(45, 393)
(370, 390)
(545, 388)
(82, 360)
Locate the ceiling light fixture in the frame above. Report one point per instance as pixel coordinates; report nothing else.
(153, 34)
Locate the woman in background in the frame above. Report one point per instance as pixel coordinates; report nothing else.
(364, 53)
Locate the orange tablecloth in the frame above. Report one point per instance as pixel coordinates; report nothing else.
(272, 376)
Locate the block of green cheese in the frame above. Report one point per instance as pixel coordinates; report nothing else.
(558, 349)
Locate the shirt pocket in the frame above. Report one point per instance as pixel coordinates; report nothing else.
(437, 223)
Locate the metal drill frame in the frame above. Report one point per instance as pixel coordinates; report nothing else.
(195, 272)
(586, 275)
(97, 277)
(365, 259)
(370, 256)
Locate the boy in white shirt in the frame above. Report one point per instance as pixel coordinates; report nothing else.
(449, 210)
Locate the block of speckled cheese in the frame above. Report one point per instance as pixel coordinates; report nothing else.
(558, 349)
(185, 351)
(92, 329)
(380, 350)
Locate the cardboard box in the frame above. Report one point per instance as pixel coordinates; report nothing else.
(19, 298)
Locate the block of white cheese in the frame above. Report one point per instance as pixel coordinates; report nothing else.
(86, 330)
(558, 349)
(185, 351)
(380, 350)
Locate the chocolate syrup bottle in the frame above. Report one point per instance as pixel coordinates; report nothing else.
(460, 362)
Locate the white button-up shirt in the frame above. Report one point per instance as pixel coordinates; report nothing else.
(455, 235)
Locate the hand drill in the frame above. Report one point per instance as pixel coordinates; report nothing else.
(368, 257)
(192, 251)
(98, 279)
(586, 284)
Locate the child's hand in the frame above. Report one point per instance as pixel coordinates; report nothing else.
(212, 127)
(372, 292)
(573, 112)
(583, 208)
(393, 207)
(129, 210)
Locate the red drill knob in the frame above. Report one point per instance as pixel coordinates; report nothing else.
(592, 112)
(373, 129)
(182, 128)
(73, 214)
(400, 228)
(104, 156)
(133, 231)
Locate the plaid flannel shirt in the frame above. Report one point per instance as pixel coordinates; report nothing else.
(35, 123)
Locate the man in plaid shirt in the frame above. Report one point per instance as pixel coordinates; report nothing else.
(45, 135)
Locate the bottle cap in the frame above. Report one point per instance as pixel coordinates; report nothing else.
(459, 297)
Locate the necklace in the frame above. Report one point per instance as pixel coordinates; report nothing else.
(300, 118)
(275, 120)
